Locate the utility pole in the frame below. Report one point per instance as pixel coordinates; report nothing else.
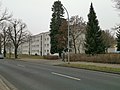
(68, 34)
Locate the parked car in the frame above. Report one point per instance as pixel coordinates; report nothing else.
(1, 56)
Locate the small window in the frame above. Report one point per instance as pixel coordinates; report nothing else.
(45, 45)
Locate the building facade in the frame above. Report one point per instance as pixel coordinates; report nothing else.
(38, 45)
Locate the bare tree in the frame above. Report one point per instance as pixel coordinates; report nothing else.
(9, 46)
(0, 43)
(117, 3)
(4, 38)
(80, 43)
(4, 16)
(108, 39)
(77, 26)
(62, 36)
(18, 34)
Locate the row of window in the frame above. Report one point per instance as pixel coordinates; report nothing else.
(25, 47)
(46, 51)
(36, 51)
(46, 45)
(37, 40)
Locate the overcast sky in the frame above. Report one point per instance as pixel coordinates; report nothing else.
(37, 13)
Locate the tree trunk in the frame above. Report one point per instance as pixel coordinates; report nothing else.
(0, 45)
(10, 52)
(16, 56)
(74, 46)
(79, 50)
(0, 48)
(60, 54)
(29, 47)
(4, 52)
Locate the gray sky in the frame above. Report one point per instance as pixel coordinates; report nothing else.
(37, 13)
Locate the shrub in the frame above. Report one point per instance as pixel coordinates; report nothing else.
(100, 58)
(50, 57)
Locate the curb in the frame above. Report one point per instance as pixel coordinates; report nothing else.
(7, 84)
(3, 85)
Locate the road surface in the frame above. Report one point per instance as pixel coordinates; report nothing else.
(34, 76)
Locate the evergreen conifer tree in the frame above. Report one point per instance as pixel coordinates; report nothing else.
(93, 42)
(118, 39)
(55, 24)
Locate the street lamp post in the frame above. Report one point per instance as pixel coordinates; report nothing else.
(68, 35)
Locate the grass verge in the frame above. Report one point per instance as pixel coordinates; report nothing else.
(93, 67)
(25, 56)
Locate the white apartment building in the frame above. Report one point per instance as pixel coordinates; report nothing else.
(38, 45)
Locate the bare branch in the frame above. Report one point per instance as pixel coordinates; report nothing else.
(5, 16)
(77, 26)
(18, 33)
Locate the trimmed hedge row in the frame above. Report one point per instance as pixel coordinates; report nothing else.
(51, 57)
(100, 58)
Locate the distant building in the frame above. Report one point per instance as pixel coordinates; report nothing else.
(38, 45)
(112, 49)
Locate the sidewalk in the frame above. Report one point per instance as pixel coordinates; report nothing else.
(5, 85)
(44, 61)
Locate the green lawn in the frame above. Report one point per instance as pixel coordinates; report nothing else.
(93, 67)
(23, 56)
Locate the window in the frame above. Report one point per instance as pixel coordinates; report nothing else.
(44, 50)
(45, 45)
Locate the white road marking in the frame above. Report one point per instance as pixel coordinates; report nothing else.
(74, 78)
(19, 65)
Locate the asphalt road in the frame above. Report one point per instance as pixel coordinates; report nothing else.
(33, 76)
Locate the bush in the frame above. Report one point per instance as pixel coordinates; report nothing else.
(51, 57)
(100, 58)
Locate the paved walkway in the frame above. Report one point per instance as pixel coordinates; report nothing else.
(3, 86)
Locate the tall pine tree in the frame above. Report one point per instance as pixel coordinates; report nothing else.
(93, 42)
(55, 24)
(118, 39)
